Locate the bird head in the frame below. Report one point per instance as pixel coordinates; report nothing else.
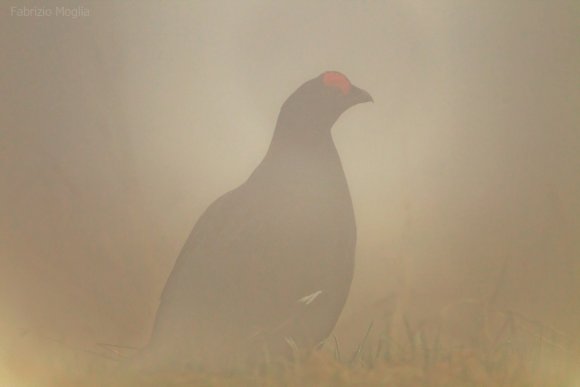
(320, 101)
(337, 87)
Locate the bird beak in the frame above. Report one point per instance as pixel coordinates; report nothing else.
(357, 96)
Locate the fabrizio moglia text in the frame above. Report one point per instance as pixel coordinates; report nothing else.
(71, 12)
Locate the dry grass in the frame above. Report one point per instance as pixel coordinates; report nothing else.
(520, 354)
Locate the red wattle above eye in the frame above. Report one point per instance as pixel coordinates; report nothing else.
(338, 80)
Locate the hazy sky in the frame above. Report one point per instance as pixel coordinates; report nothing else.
(117, 129)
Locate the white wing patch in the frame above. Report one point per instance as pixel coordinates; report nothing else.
(307, 300)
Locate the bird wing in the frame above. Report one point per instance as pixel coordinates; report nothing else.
(252, 258)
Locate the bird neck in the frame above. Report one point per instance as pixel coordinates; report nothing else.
(303, 141)
(299, 135)
(299, 157)
(300, 143)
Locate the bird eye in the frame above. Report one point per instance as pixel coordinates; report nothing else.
(336, 80)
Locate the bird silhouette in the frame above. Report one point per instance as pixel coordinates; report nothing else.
(268, 266)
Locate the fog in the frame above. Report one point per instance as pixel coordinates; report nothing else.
(118, 129)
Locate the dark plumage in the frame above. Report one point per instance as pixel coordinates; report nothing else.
(269, 264)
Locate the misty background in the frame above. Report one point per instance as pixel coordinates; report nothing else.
(119, 128)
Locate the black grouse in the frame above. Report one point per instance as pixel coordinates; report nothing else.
(268, 266)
